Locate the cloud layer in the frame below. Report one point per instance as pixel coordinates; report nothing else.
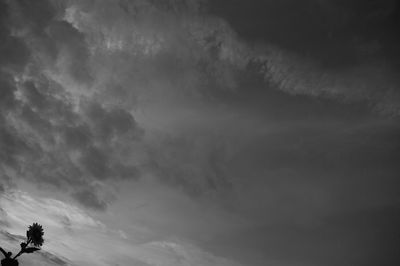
(74, 75)
(170, 117)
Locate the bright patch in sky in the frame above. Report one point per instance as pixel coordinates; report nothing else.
(70, 232)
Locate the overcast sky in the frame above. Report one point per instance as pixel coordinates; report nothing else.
(201, 133)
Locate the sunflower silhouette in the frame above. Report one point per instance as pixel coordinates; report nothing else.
(34, 239)
(35, 235)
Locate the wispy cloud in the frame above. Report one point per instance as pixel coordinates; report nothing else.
(111, 247)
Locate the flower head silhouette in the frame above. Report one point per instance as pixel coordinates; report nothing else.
(35, 234)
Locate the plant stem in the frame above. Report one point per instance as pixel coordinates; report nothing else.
(22, 249)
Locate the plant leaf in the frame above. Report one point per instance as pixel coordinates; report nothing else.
(31, 250)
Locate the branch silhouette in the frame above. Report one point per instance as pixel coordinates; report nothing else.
(34, 239)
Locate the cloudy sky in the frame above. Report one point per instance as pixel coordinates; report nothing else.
(201, 133)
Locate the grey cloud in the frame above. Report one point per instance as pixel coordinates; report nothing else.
(69, 108)
(107, 124)
(12, 237)
(351, 237)
(215, 57)
(6, 182)
(38, 14)
(66, 222)
(372, 82)
(334, 50)
(96, 162)
(56, 44)
(53, 259)
(72, 45)
(195, 164)
(376, 85)
(7, 91)
(15, 52)
(209, 59)
(77, 136)
(46, 136)
(3, 215)
(3, 218)
(11, 147)
(126, 171)
(90, 199)
(318, 170)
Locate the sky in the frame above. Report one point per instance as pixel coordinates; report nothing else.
(201, 133)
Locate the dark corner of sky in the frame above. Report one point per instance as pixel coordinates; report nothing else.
(341, 37)
(330, 31)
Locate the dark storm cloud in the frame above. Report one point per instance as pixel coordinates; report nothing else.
(46, 136)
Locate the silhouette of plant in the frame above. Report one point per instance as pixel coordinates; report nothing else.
(35, 234)
(34, 239)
